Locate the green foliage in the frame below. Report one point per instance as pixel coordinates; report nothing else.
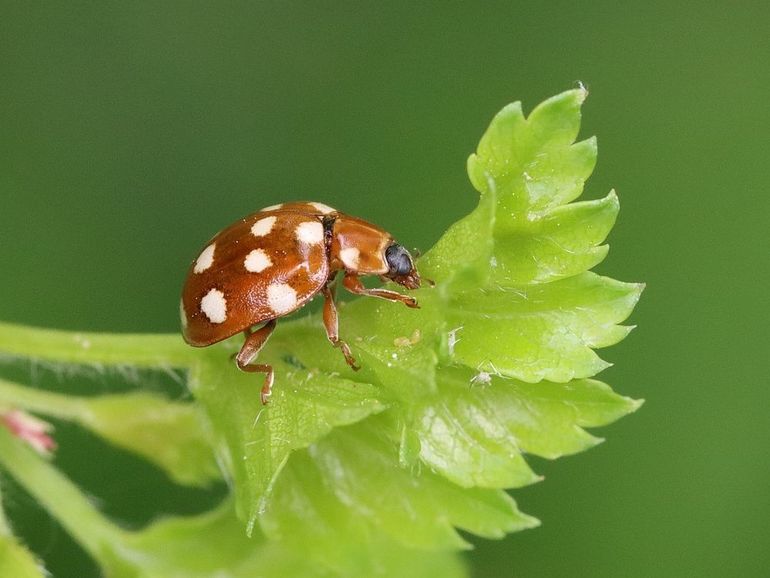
(256, 441)
(373, 492)
(374, 472)
(212, 544)
(169, 434)
(15, 560)
(543, 331)
(491, 431)
(182, 548)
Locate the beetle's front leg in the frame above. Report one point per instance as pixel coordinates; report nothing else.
(353, 284)
(332, 327)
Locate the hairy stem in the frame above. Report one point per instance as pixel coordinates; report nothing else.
(139, 350)
(52, 404)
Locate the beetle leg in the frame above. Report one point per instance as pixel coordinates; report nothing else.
(254, 342)
(354, 285)
(332, 327)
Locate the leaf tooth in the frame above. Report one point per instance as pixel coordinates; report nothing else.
(610, 336)
(503, 134)
(470, 445)
(557, 119)
(557, 174)
(592, 220)
(560, 242)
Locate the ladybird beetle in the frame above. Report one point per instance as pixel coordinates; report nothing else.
(273, 262)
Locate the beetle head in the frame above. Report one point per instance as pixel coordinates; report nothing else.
(401, 267)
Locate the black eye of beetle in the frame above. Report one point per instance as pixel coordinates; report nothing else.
(399, 260)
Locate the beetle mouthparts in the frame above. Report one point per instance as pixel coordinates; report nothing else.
(411, 280)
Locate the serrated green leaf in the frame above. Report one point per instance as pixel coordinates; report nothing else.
(255, 441)
(534, 167)
(306, 514)
(562, 242)
(213, 544)
(351, 480)
(542, 331)
(475, 433)
(532, 162)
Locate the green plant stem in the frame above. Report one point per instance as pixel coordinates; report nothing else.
(52, 404)
(59, 496)
(138, 350)
(5, 529)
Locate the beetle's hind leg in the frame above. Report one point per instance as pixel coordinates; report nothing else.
(254, 342)
(331, 324)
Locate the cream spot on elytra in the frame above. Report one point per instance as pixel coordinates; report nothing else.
(205, 259)
(263, 226)
(310, 232)
(257, 261)
(281, 297)
(350, 257)
(325, 209)
(272, 208)
(182, 314)
(214, 306)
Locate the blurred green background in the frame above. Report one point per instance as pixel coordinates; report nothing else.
(131, 132)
